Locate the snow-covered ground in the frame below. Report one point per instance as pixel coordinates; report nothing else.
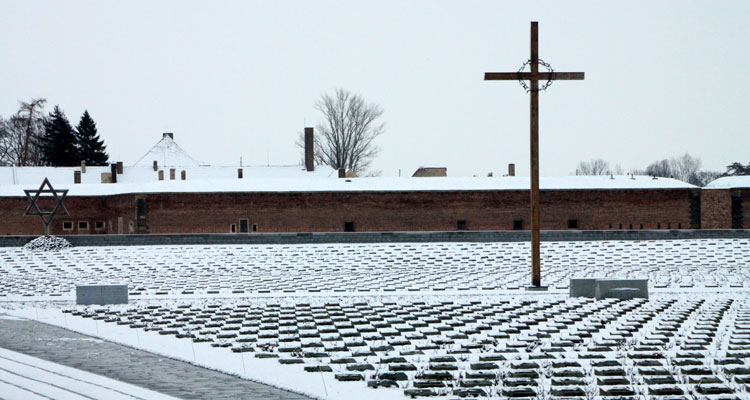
(29, 378)
(375, 321)
(244, 270)
(499, 346)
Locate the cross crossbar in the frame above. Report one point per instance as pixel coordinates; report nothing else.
(527, 76)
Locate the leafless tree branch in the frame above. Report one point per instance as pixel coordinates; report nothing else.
(345, 137)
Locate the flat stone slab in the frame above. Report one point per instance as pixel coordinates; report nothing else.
(621, 289)
(604, 288)
(101, 294)
(582, 287)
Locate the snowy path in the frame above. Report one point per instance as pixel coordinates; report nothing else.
(38, 373)
(25, 377)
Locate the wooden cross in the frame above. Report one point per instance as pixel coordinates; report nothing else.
(534, 77)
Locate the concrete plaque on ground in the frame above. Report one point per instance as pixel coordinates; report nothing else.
(101, 294)
(601, 288)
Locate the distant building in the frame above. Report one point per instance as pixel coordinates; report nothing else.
(429, 172)
(167, 191)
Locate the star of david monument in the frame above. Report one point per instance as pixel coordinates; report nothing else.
(47, 216)
(533, 88)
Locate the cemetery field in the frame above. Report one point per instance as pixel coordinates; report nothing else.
(445, 320)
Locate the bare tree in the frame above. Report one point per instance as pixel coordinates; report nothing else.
(703, 178)
(21, 134)
(660, 168)
(685, 167)
(593, 167)
(4, 142)
(345, 137)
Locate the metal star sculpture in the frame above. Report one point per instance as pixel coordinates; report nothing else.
(46, 216)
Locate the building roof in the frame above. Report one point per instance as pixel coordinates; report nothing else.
(427, 172)
(296, 179)
(730, 182)
(167, 153)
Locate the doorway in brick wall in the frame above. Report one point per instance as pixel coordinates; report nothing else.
(141, 216)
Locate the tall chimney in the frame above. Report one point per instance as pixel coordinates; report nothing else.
(161, 175)
(76, 176)
(239, 173)
(113, 171)
(171, 174)
(119, 167)
(83, 166)
(183, 175)
(511, 169)
(309, 150)
(342, 173)
(170, 134)
(156, 166)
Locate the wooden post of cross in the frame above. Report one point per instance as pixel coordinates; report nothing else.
(534, 76)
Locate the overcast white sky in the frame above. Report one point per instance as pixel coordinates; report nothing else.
(240, 78)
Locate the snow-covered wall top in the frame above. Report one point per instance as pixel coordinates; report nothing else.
(730, 182)
(195, 183)
(167, 153)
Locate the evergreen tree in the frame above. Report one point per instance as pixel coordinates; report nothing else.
(59, 142)
(90, 148)
(736, 168)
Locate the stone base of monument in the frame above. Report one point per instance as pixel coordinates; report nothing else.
(583, 287)
(599, 288)
(101, 294)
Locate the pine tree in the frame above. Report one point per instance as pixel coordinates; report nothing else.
(90, 148)
(59, 142)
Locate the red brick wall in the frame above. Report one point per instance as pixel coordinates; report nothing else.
(745, 193)
(106, 209)
(370, 211)
(716, 209)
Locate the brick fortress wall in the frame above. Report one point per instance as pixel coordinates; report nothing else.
(367, 211)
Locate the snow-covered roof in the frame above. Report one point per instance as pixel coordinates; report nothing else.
(296, 179)
(730, 182)
(167, 153)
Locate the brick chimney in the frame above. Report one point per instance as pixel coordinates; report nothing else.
(161, 175)
(171, 174)
(511, 169)
(342, 173)
(156, 166)
(83, 166)
(309, 150)
(239, 173)
(120, 167)
(170, 134)
(183, 175)
(113, 171)
(76, 176)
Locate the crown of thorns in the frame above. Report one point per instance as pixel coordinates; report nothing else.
(547, 84)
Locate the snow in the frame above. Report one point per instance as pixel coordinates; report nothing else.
(483, 318)
(24, 378)
(167, 153)
(295, 179)
(262, 270)
(323, 305)
(730, 182)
